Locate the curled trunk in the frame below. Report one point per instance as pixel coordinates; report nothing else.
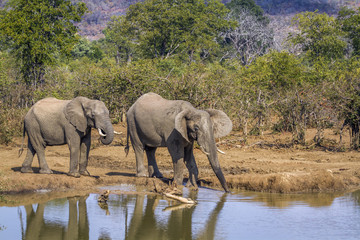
(107, 131)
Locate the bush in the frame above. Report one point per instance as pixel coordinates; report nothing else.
(10, 123)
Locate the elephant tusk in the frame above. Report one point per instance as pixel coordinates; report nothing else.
(101, 134)
(202, 149)
(118, 133)
(220, 151)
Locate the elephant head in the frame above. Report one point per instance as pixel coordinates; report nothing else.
(204, 127)
(84, 113)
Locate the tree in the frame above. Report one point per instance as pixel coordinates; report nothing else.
(38, 31)
(349, 20)
(251, 38)
(89, 49)
(237, 7)
(168, 27)
(319, 36)
(121, 33)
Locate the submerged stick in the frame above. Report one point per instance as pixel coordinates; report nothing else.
(168, 192)
(178, 207)
(180, 199)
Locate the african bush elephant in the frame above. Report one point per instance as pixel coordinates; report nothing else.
(156, 122)
(56, 122)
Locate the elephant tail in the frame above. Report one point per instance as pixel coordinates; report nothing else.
(23, 141)
(127, 141)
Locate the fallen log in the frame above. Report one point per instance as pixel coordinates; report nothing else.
(178, 207)
(180, 199)
(170, 192)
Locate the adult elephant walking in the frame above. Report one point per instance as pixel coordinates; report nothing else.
(56, 122)
(156, 122)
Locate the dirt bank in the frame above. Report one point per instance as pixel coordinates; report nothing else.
(263, 164)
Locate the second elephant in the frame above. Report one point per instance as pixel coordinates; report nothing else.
(56, 122)
(156, 122)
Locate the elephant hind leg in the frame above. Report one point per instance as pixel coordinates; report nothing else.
(26, 166)
(152, 165)
(44, 168)
(140, 168)
(139, 153)
(36, 143)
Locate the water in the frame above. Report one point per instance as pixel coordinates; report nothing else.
(243, 215)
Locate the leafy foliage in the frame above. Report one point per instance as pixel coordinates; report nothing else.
(349, 20)
(89, 49)
(196, 52)
(37, 31)
(166, 28)
(319, 36)
(121, 34)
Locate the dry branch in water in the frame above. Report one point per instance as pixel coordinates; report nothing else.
(170, 192)
(180, 199)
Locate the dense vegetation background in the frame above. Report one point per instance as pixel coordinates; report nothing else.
(265, 72)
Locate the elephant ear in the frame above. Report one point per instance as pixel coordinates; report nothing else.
(222, 124)
(180, 124)
(74, 113)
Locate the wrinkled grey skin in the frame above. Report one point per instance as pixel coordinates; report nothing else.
(156, 122)
(56, 122)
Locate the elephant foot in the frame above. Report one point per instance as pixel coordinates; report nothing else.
(73, 174)
(177, 186)
(45, 171)
(85, 173)
(26, 170)
(191, 186)
(142, 174)
(192, 182)
(157, 175)
(154, 172)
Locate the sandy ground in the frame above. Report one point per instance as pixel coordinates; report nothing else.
(264, 164)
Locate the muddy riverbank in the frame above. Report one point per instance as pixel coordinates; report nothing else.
(263, 164)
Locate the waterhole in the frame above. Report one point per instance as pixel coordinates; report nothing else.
(217, 215)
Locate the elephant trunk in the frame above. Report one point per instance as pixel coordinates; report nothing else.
(214, 162)
(216, 168)
(106, 132)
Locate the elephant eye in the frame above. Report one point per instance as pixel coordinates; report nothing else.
(196, 128)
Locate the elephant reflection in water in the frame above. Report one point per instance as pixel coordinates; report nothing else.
(356, 196)
(144, 224)
(38, 228)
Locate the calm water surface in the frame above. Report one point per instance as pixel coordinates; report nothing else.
(217, 215)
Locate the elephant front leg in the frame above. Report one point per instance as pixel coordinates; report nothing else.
(84, 155)
(177, 154)
(178, 171)
(74, 160)
(192, 167)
